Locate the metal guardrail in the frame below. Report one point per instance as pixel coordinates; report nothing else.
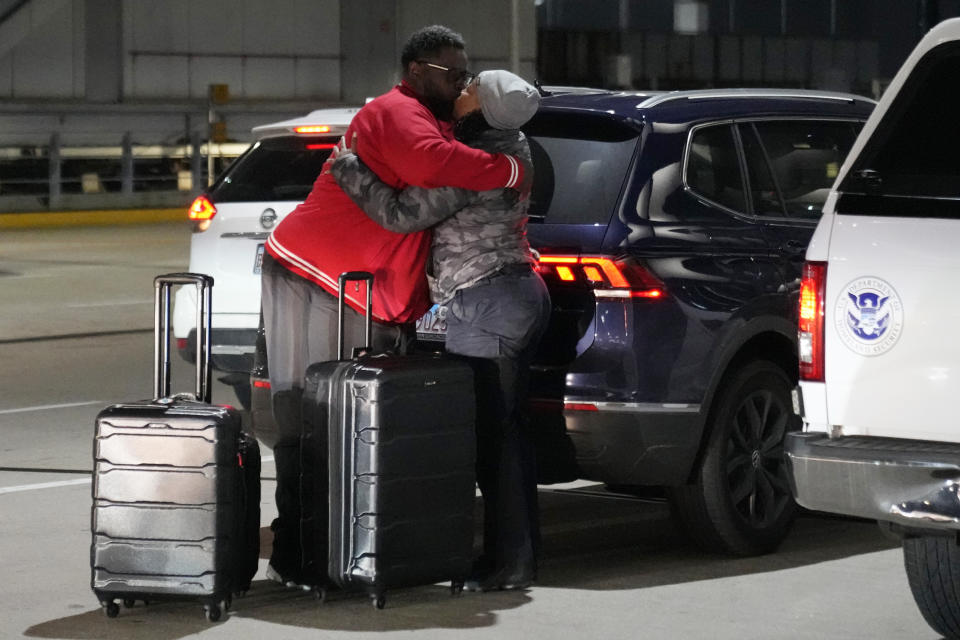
(50, 172)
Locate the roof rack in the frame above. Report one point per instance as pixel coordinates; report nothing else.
(549, 89)
(722, 94)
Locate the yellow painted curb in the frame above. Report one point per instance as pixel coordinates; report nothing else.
(91, 218)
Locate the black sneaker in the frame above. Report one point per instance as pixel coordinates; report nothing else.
(276, 576)
(502, 580)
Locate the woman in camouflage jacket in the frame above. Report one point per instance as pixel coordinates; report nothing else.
(481, 268)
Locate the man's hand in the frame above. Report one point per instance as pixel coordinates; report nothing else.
(342, 148)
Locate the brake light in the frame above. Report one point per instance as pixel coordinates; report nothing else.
(314, 147)
(608, 277)
(810, 335)
(201, 209)
(316, 128)
(580, 406)
(261, 384)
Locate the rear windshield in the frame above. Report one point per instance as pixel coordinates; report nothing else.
(913, 152)
(274, 169)
(580, 162)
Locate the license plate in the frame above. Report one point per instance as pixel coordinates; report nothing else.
(258, 260)
(433, 324)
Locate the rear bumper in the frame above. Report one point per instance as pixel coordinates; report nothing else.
(634, 444)
(231, 349)
(907, 482)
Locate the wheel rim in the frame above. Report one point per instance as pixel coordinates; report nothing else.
(756, 473)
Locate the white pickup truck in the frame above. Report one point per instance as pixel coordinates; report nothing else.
(880, 330)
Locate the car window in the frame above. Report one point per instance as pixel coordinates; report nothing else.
(913, 151)
(713, 167)
(580, 163)
(805, 156)
(282, 168)
(763, 190)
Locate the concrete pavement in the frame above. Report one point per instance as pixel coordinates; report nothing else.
(75, 335)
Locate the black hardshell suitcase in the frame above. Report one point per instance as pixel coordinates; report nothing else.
(176, 485)
(396, 434)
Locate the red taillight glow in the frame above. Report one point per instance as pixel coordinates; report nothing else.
(609, 277)
(315, 128)
(201, 209)
(181, 344)
(314, 147)
(565, 273)
(579, 406)
(810, 334)
(262, 384)
(593, 275)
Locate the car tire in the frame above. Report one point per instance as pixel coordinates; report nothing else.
(932, 563)
(740, 500)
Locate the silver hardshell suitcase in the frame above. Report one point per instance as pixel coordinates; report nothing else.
(388, 485)
(176, 485)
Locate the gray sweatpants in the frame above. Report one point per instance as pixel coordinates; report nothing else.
(300, 323)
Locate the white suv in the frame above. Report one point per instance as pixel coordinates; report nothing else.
(879, 354)
(232, 220)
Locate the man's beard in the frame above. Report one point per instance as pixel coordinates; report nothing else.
(470, 126)
(442, 109)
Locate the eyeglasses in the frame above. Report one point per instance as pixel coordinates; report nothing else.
(459, 76)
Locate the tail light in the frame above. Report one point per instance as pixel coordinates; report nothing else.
(608, 277)
(810, 336)
(202, 212)
(313, 128)
(580, 406)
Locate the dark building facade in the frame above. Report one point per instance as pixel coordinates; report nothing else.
(849, 45)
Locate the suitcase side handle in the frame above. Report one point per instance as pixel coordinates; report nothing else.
(354, 276)
(163, 285)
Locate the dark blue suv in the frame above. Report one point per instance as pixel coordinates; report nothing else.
(672, 229)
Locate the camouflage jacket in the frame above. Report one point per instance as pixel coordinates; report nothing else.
(475, 233)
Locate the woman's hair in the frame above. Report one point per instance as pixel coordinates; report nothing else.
(470, 126)
(428, 41)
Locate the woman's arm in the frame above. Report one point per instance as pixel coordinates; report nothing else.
(412, 209)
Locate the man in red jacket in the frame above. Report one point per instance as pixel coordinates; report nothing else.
(406, 137)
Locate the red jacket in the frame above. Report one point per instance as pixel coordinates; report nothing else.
(327, 234)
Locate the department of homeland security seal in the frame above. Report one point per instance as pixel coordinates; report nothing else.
(868, 316)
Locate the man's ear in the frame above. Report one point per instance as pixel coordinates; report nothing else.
(413, 69)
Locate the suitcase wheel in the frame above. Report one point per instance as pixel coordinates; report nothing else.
(212, 612)
(110, 608)
(129, 603)
(321, 595)
(456, 587)
(379, 600)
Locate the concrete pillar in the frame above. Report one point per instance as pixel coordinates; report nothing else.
(196, 161)
(103, 55)
(369, 48)
(126, 165)
(55, 175)
(515, 36)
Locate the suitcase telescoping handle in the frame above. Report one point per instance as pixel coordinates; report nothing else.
(352, 276)
(161, 355)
